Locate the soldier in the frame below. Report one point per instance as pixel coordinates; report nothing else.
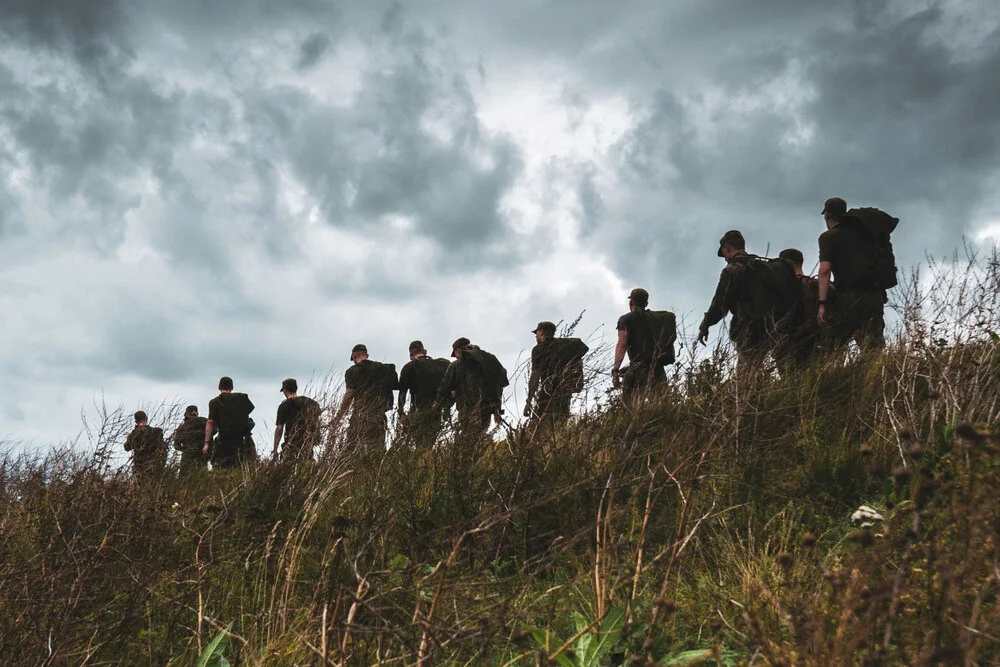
(298, 419)
(847, 253)
(188, 440)
(556, 374)
(366, 398)
(229, 413)
(470, 387)
(752, 327)
(798, 330)
(420, 378)
(149, 452)
(637, 341)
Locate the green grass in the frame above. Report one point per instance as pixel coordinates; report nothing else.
(710, 525)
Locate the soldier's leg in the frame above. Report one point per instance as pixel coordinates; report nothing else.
(870, 334)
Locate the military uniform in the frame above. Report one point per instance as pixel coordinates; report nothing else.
(643, 372)
(300, 418)
(421, 378)
(230, 412)
(189, 439)
(857, 313)
(752, 333)
(475, 406)
(149, 451)
(368, 425)
(798, 330)
(546, 383)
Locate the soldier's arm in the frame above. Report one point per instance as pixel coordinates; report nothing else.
(209, 426)
(823, 288)
(278, 430)
(621, 347)
(444, 392)
(402, 400)
(717, 309)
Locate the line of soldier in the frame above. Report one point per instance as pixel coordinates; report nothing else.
(775, 309)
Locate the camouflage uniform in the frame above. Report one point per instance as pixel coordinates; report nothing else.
(149, 451)
(475, 408)
(752, 333)
(189, 439)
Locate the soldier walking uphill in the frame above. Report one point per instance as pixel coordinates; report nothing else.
(647, 337)
(229, 412)
(188, 440)
(856, 251)
(298, 420)
(149, 451)
(367, 396)
(475, 382)
(420, 379)
(756, 292)
(798, 330)
(556, 374)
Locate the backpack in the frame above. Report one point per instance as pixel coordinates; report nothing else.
(661, 327)
(488, 370)
(567, 354)
(385, 380)
(777, 287)
(880, 226)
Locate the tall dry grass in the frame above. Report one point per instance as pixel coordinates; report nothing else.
(709, 523)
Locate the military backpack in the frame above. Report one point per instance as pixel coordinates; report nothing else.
(568, 354)
(661, 327)
(879, 225)
(771, 285)
(488, 370)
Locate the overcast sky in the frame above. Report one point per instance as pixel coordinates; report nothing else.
(196, 188)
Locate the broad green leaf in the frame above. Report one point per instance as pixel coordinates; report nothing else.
(214, 653)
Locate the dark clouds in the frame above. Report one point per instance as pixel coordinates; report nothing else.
(240, 187)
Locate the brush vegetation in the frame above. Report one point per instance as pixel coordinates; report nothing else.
(708, 525)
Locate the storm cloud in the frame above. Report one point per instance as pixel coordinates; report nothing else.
(195, 189)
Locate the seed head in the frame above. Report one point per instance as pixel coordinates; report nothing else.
(901, 474)
(785, 560)
(809, 540)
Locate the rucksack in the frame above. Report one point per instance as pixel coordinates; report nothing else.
(489, 371)
(880, 226)
(385, 381)
(661, 327)
(567, 355)
(778, 286)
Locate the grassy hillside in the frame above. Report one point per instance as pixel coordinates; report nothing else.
(712, 524)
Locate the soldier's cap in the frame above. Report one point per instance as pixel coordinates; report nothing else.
(460, 344)
(639, 295)
(732, 237)
(834, 206)
(191, 408)
(290, 385)
(546, 327)
(793, 255)
(416, 346)
(360, 347)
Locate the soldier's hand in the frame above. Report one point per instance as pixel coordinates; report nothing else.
(821, 314)
(616, 380)
(703, 336)
(204, 450)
